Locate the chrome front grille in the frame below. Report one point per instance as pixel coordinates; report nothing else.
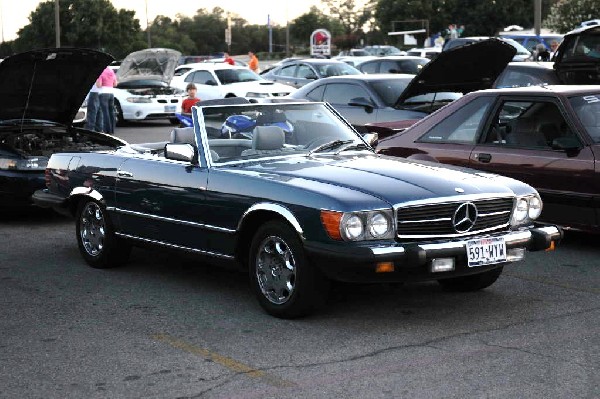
(438, 220)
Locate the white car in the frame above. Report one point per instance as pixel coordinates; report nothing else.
(143, 91)
(427, 52)
(220, 80)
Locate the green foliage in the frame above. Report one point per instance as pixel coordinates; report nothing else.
(567, 15)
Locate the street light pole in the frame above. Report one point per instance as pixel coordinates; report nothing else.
(57, 22)
(148, 26)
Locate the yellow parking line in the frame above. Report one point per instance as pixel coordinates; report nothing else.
(224, 361)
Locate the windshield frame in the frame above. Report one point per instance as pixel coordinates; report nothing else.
(586, 100)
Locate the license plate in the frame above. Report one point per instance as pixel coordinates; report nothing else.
(170, 108)
(486, 251)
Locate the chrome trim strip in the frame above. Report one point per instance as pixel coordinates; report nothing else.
(388, 250)
(513, 238)
(171, 220)
(203, 150)
(424, 220)
(458, 235)
(454, 198)
(272, 207)
(174, 246)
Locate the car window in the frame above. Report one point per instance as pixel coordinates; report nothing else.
(287, 70)
(305, 71)
(337, 69)
(462, 126)
(342, 93)
(369, 67)
(390, 89)
(229, 76)
(586, 46)
(316, 94)
(532, 42)
(515, 78)
(202, 78)
(181, 71)
(389, 66)
(588, 110)
(528, 124)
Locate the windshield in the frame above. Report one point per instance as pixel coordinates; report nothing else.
(244, 132)
(587, 109)
(229, 76)
(335, 69)
(389, 90)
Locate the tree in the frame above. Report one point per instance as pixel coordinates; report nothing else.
(83, 23)
(568, 14)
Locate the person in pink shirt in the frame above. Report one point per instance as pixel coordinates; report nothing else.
(106, 82)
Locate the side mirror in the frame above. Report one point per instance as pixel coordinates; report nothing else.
(568, 144)
(210, 83)
(311, 77)
(362, 102)
(181, 152)
(371, 139)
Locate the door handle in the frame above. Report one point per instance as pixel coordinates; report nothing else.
(122, 173)
(484, 158)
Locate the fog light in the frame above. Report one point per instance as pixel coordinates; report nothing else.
(384, 267)
(442, 265)
(515, 254)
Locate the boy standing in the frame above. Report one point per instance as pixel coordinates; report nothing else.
(191, 100)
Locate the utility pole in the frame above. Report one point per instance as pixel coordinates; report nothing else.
(148, 26)
(537, 16)
(57, 22)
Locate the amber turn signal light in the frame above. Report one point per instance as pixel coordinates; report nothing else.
(384, 267)
(331, 222)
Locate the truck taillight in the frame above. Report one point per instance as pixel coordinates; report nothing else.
(47, 174)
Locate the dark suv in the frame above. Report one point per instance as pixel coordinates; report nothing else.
(577, 59)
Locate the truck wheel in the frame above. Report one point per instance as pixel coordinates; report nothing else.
(97, 242)
(283, 280)
(471, 283)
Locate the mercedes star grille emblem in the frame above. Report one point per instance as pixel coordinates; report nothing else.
(464, 218)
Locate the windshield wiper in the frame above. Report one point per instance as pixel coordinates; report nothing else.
(353, 146)
(330, 144)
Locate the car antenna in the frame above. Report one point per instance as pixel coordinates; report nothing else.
(432, 102)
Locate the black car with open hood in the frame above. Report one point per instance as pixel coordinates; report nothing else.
(40, 94)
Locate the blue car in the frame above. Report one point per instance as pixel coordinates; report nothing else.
(296, 210)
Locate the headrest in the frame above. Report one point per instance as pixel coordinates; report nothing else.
(268, 138)
(183, 135)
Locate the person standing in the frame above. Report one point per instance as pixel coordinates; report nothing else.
(108, 80)
(253, 63)
(93, 119)
(228, 59)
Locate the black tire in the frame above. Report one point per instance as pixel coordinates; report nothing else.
(474, 282)
(120, 119)
(97, 242)
(285, 291)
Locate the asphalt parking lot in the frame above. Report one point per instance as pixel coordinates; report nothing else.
(167, 326)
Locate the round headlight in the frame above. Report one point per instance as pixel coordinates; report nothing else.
(353, 227)
(378, 225)
(535, 207)
(521, 210)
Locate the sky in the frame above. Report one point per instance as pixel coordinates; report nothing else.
(15, 13)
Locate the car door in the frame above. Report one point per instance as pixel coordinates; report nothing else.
(162, 200)
(207, 85)
(520, 141)
(342, 95)
(285, 75)
(304, 74)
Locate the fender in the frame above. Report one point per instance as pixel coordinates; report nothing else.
(87, 192)
(276, 208)
(422, 157)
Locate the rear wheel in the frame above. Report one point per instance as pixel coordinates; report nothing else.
(471, 283)
(284, 282)
(119, 118)
(98, 244)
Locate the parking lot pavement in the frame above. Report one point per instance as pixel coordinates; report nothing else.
(171, 326)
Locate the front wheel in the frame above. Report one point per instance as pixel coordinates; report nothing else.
(471, 283)
(284, 282)
(98, 244)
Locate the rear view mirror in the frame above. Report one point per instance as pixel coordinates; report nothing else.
(362, 102)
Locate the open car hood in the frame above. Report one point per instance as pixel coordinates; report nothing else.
(48, 84)
(462, 70)
(577, 59)
(149, 64)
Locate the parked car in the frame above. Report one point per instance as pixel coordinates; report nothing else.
(577, 59)
(143, 91)
(545, 136)
(393, 64)
(425, 52)
(383, 50)
(296, 208)
(531, 40)
(221, 80)
(522, 54)
(42, 91)
(355, 60)
(355, 52)
(375, 98)
(297, 73)
(527, 73)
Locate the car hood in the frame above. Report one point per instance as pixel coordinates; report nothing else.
(153, 63)
(393, 180)
(48, 84)
(463, 69)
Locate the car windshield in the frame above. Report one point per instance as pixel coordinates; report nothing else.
(244, 132)
(336, 69)
(587, 108)
(229, 76)
(390, 89)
